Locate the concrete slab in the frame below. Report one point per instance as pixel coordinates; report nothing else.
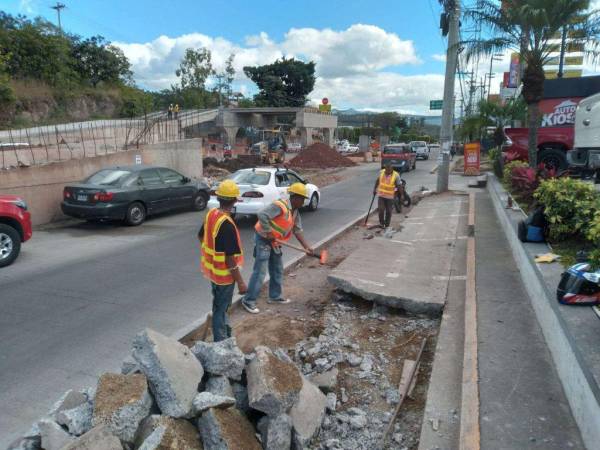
(422, 257)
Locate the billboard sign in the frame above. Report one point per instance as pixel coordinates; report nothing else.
(514, 72)
(559, 112)
(472, 158)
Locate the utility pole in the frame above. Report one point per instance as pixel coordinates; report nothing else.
(563, 44)
(491, 74)
(452, 10)
(58, 8)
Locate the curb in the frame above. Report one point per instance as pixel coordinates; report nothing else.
(581, 390)
(469, 438)
(184, 331)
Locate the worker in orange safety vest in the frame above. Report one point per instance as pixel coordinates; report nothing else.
(222, 257)
(386, 186)
(276, 222)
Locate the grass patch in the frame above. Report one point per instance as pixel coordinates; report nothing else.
(568, 250)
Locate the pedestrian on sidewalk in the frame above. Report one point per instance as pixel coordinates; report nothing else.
(222, 257)
(170, 111)
(276, 222)
(386, 186)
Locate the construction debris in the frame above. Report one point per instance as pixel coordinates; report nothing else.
(320, 156)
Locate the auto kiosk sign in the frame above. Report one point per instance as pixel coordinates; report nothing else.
(559, 112)
(472, 156)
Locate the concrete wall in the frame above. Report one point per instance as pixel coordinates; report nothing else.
(42, 186)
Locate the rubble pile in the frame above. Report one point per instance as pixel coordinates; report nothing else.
(211, 396)
(320, 156)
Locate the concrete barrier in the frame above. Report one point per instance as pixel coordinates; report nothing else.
(42, 186)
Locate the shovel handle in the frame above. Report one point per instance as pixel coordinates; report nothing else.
(300, 249)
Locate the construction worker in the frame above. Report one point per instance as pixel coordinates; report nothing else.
(222, 257)
(276, 222)
(176, 110)
(386, 186)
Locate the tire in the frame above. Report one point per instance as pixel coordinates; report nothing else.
(200, 201)
(10, 245)
(397, 204)
(553, 158)
(314, 202)
(135, 215)
(406, 200)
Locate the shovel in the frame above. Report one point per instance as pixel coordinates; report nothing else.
(369, 212)
(322, 257)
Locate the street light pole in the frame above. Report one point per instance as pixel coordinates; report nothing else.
(452, 8)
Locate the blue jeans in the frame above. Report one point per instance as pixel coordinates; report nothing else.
(222, 297)
(265, 256)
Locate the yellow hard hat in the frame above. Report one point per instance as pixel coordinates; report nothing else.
(228, 189)
(298, 189)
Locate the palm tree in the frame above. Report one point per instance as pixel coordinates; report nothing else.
(530, 27)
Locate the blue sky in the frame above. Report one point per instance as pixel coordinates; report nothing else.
(378, 54)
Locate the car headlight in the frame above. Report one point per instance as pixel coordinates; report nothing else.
(20, 203)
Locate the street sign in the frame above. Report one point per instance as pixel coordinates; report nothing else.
(325, 100)
(138, 159)
(436, 104)
(325, 108)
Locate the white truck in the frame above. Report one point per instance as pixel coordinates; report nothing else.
(585, 156)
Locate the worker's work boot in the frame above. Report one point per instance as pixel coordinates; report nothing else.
(252, 309)
(280, 301)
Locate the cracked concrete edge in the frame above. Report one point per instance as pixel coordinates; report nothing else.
(184, 331)
(433, 310)
(582, 392)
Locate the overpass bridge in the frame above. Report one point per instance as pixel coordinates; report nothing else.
(44, 144)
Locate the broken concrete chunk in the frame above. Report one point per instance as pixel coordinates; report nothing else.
(307, 414)
(276, 432)
(227, 429)
(98, 438)
(122, 402)
(172, 370)
(326, 381)
(331, 402)
(207, 400)
(53, 436)
(240, 392)
(26, 443)
(78, 420)
(273, 385)
(171, 434)
(221, 358)
(70, 399)
(129, 365)
(353, 359)
(219, 385)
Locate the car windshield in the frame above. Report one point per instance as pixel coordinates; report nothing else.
(251, 177)
(108, 177)
(419, 144)
(393, 150)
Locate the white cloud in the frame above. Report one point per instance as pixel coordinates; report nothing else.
(26, 6)
(352, 65)
(439, 57)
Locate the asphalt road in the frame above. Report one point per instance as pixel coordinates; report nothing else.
(72, 303)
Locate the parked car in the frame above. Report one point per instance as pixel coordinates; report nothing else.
(132, 193)
(434, 147)
(262, 185)
(15, 227)
(294, 147)
(553, 143)
(402, 157)
(420, 148)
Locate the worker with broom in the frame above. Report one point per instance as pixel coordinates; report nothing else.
(222, 257)
(276, 224)
(385, 188)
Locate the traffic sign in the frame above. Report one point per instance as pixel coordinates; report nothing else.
(436, 104)
(325, 100)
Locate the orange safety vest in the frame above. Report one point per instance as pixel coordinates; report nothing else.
(282, 225)
(212, 262)
(387, 185)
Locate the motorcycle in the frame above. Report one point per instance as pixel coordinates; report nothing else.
(401, 198)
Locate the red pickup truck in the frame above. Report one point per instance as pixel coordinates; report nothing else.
(553, 143)
(15, 227)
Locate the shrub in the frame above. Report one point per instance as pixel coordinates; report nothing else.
(495, 156)
(507, 171)
(570, 205)
(525, 180)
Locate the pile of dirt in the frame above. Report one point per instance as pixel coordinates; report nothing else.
(320, 156)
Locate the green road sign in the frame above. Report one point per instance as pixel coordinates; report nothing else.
(436, 104)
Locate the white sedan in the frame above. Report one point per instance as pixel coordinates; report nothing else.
(262, 185)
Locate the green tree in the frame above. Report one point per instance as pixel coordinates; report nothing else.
(225, 80)
(529, 27)
(286, 82)
(195, 68)
(98, 61)
(389, 122)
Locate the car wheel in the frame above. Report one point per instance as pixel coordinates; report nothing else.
(10, 245)
(553, 158)
(200, 201)
(136, 214)
(314, 203)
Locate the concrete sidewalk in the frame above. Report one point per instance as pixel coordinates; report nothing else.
(522, 403)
